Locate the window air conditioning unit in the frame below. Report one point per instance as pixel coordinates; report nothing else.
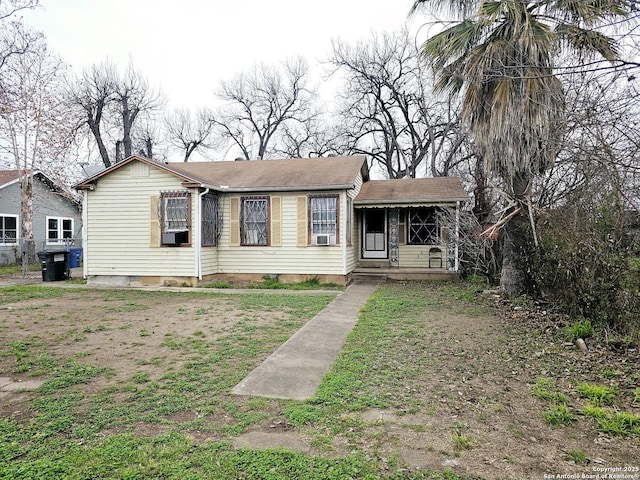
(323, 239)
(175, 238)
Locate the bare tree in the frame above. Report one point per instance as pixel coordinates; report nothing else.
(14, 38)
(112, 105)
(317, 137)
(92, 94)
(390, 112)
(133, 97)
(261, 102)
(148, 139)
(190, 132)
(600, 154)
(34, 119)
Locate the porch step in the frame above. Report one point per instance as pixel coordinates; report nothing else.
(368, 277)
(373, 264)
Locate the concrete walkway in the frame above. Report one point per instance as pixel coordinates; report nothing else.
(294, 371)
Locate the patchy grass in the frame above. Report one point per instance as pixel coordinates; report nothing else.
(557, 415)
(579, 457)
(431, 383)
(546, 389)
(17, 269)
(274, 283)
(598, 395)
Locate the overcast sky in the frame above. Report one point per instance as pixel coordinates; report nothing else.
(186, 46)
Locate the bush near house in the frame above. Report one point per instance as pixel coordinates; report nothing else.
(589, 263)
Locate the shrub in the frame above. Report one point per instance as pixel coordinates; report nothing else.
(589, 262)
(580, 329)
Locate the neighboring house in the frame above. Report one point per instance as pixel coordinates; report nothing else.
(186, 223)
(56, 216)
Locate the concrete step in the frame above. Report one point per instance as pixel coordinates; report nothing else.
(368, 277)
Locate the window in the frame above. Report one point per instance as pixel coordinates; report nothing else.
(423, 226)
(176, 211)
(323, 212)
(59, 230)
(254, 222)
(210, 220)
(8, 229)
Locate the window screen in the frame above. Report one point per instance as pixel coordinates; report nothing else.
(255, 221)
(423, 226)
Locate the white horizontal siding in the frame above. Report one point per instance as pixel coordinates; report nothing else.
(352, 253)
(209, 260)
(118, 227)
(287, 258)
(417, 256)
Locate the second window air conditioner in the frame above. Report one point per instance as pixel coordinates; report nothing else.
(175, 238)
(323, 239)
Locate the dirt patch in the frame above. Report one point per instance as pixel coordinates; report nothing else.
(273, 440)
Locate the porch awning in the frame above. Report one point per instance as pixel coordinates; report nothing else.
(410, 192)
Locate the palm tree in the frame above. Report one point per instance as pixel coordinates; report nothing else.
(500, 56)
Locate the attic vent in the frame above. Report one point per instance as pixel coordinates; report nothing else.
(139, 169)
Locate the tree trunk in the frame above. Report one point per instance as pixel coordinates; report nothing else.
(95, 129)
(149, 146)
(516, 244)
(26, 211)
(119, 151)
(482, 205)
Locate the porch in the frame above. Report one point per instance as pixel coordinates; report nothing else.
(382, 269)
(408, 228)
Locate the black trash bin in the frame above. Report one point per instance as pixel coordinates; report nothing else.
(54, 264)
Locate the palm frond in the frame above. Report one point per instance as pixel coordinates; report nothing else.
(587, 41)
(590, 12)
(451, 43)
(452, 8)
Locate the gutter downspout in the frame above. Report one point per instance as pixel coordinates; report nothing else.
(85, 202)
(199, 230)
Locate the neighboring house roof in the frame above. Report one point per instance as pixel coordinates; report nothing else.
(265, 175)
(411, 191)
(7, 177)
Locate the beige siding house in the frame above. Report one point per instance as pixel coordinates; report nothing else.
(189, 223)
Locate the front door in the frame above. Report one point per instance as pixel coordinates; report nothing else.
(374, 233)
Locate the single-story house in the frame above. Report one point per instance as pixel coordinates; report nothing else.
(56, 216)
(147, 222)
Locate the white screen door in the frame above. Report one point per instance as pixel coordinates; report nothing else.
(374, 233)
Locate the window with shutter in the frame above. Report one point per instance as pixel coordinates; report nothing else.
(254, 221)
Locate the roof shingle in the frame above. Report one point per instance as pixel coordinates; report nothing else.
(411, 190)
(298, 173)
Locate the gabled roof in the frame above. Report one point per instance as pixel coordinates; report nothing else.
(325, 173)
(411, 191)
